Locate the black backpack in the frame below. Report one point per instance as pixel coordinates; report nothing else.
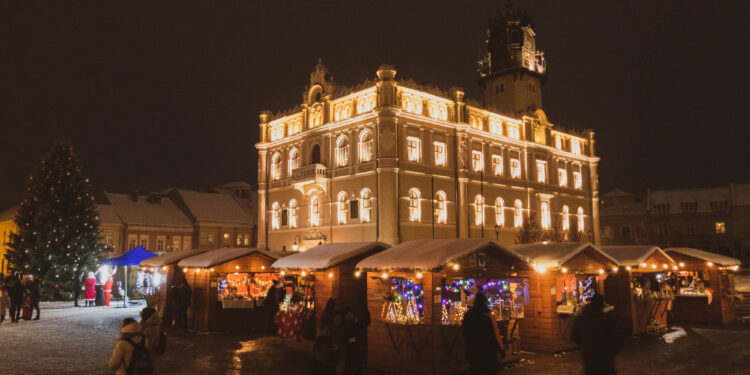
(140, 361)
(161, 346)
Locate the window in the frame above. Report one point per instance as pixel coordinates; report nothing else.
(315, 154)
(477, 164)
(562, 177)
(497, 165)
(160, 243)
(514, 131)
(441, 211)
(688, 207)
(581, 221)
(294, 127)
(292, 213)
(275, 215)
(475, 122)
(689, 228)
(284, 218)
(496, 127)
(143, 241)
(661, 207)
(575, 147)
(413, 148)
(354, 209)
(293, 160)
(246, 239)
(565, 218)
(277, 132)
(365, 103)
(316, 116)
(365, 146)
(517, 213)
(558, 142)
(662, 230)
(314, 211)
(440, 153)
(515, 168)
(415, 212)
(479, 210)
(718, 206)
(176, 243)
(499, 212)
(541, 171)
(211, 238)
(342, 151)
(577, 180)
(343, 207)
(721, 227)
(546, 219)
(365, 201)
(276, 166)
(626, 231)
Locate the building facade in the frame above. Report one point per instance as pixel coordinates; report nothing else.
(393, 161)
(712, 219)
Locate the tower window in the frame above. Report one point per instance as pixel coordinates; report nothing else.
(440, 208)
(415, 212)
(413, 148)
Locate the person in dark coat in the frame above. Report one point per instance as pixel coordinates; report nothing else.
(183, 293)
(34, 291)
(15, 292)
(482, 345)
(323, 357)
(596, 333)
(272, 305)
(76, 289)
(354, 344)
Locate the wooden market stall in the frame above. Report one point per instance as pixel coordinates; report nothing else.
(565, 276)
(707, 293)
(636, 291)
(158, 274)
(313, 276)
(229, 286)
(417, 293)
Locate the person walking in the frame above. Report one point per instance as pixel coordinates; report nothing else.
(4, 304)
(183, 293)
(89, 293)
(151, 328)
(131, 340)
(481, 338)
(35, 296)
(596, 333)
(15, 292)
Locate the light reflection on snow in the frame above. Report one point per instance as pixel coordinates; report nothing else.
(247, 346)
(672, 336)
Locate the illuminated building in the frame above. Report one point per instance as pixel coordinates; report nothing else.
(391, 161)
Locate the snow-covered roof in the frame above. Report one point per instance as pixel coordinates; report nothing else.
(616, 193)
(635, 208)
(108, 215)
(169, 258)
(215, 257)
(702, 197)
(327, 255)
(214, 207)
(555, 254)
(633, 255)
(427, 254)
(720, 260)
(148, 210)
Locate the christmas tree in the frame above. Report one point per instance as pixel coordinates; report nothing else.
(58, 225)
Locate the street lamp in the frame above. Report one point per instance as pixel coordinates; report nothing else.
(497, 232)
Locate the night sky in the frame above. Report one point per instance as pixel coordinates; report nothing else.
(156, 94)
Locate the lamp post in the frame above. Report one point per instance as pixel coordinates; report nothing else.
(497, 232)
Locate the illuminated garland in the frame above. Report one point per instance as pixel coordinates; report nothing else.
(404, 304)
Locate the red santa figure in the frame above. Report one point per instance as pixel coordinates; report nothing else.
(89, 292)
(107, 288)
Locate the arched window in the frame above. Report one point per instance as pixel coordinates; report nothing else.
(342, 151)
(275, 215)
(441, 209)
(314, 211)
(518, 213)
(365, 205)
(499, 212)
(565, 218)
(292, 213)
(546, 219)
(343, 207)
(365, 146)
(276, 166)
(479, 210)
(315, 154)
(580, 219)
(293, 160)
(415, 207)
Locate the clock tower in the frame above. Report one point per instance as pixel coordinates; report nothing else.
(512, 70)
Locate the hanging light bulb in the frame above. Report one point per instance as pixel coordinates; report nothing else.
(357, 273)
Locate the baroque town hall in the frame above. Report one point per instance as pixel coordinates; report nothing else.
(393, 161)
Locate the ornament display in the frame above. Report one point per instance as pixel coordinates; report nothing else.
(505, 298)
(404, 303)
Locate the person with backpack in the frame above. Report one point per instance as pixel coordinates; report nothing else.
(152, 332)
(130, 356)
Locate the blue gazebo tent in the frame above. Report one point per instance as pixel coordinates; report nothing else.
(131, 258)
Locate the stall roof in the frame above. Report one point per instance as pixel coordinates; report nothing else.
(427, 254)
(718, 259)
(169, 258)
(555, 254)
(633, 255)
(215, 257)
(324, 256)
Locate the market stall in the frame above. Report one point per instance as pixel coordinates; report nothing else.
(642, 291)
(156, 276)
(229, 287)
(565, 277)
(312, 277)
(706, 293)
(418, 291)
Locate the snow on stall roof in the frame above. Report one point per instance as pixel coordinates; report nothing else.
(215, 207)
(555, 254)
(633, 255)
(148, 210)
(215, 257)
(169, 258)
(327, 255)
(426, 254)
(718, 259)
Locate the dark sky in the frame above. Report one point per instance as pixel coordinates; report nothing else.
(156, 94)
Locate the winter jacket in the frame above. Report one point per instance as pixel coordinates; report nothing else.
(151, 330)
(123, 352)
(90, 292)
(4, 302)
(597, 334)
(480, 339)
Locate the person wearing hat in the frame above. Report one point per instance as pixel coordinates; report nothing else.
(482, 337)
